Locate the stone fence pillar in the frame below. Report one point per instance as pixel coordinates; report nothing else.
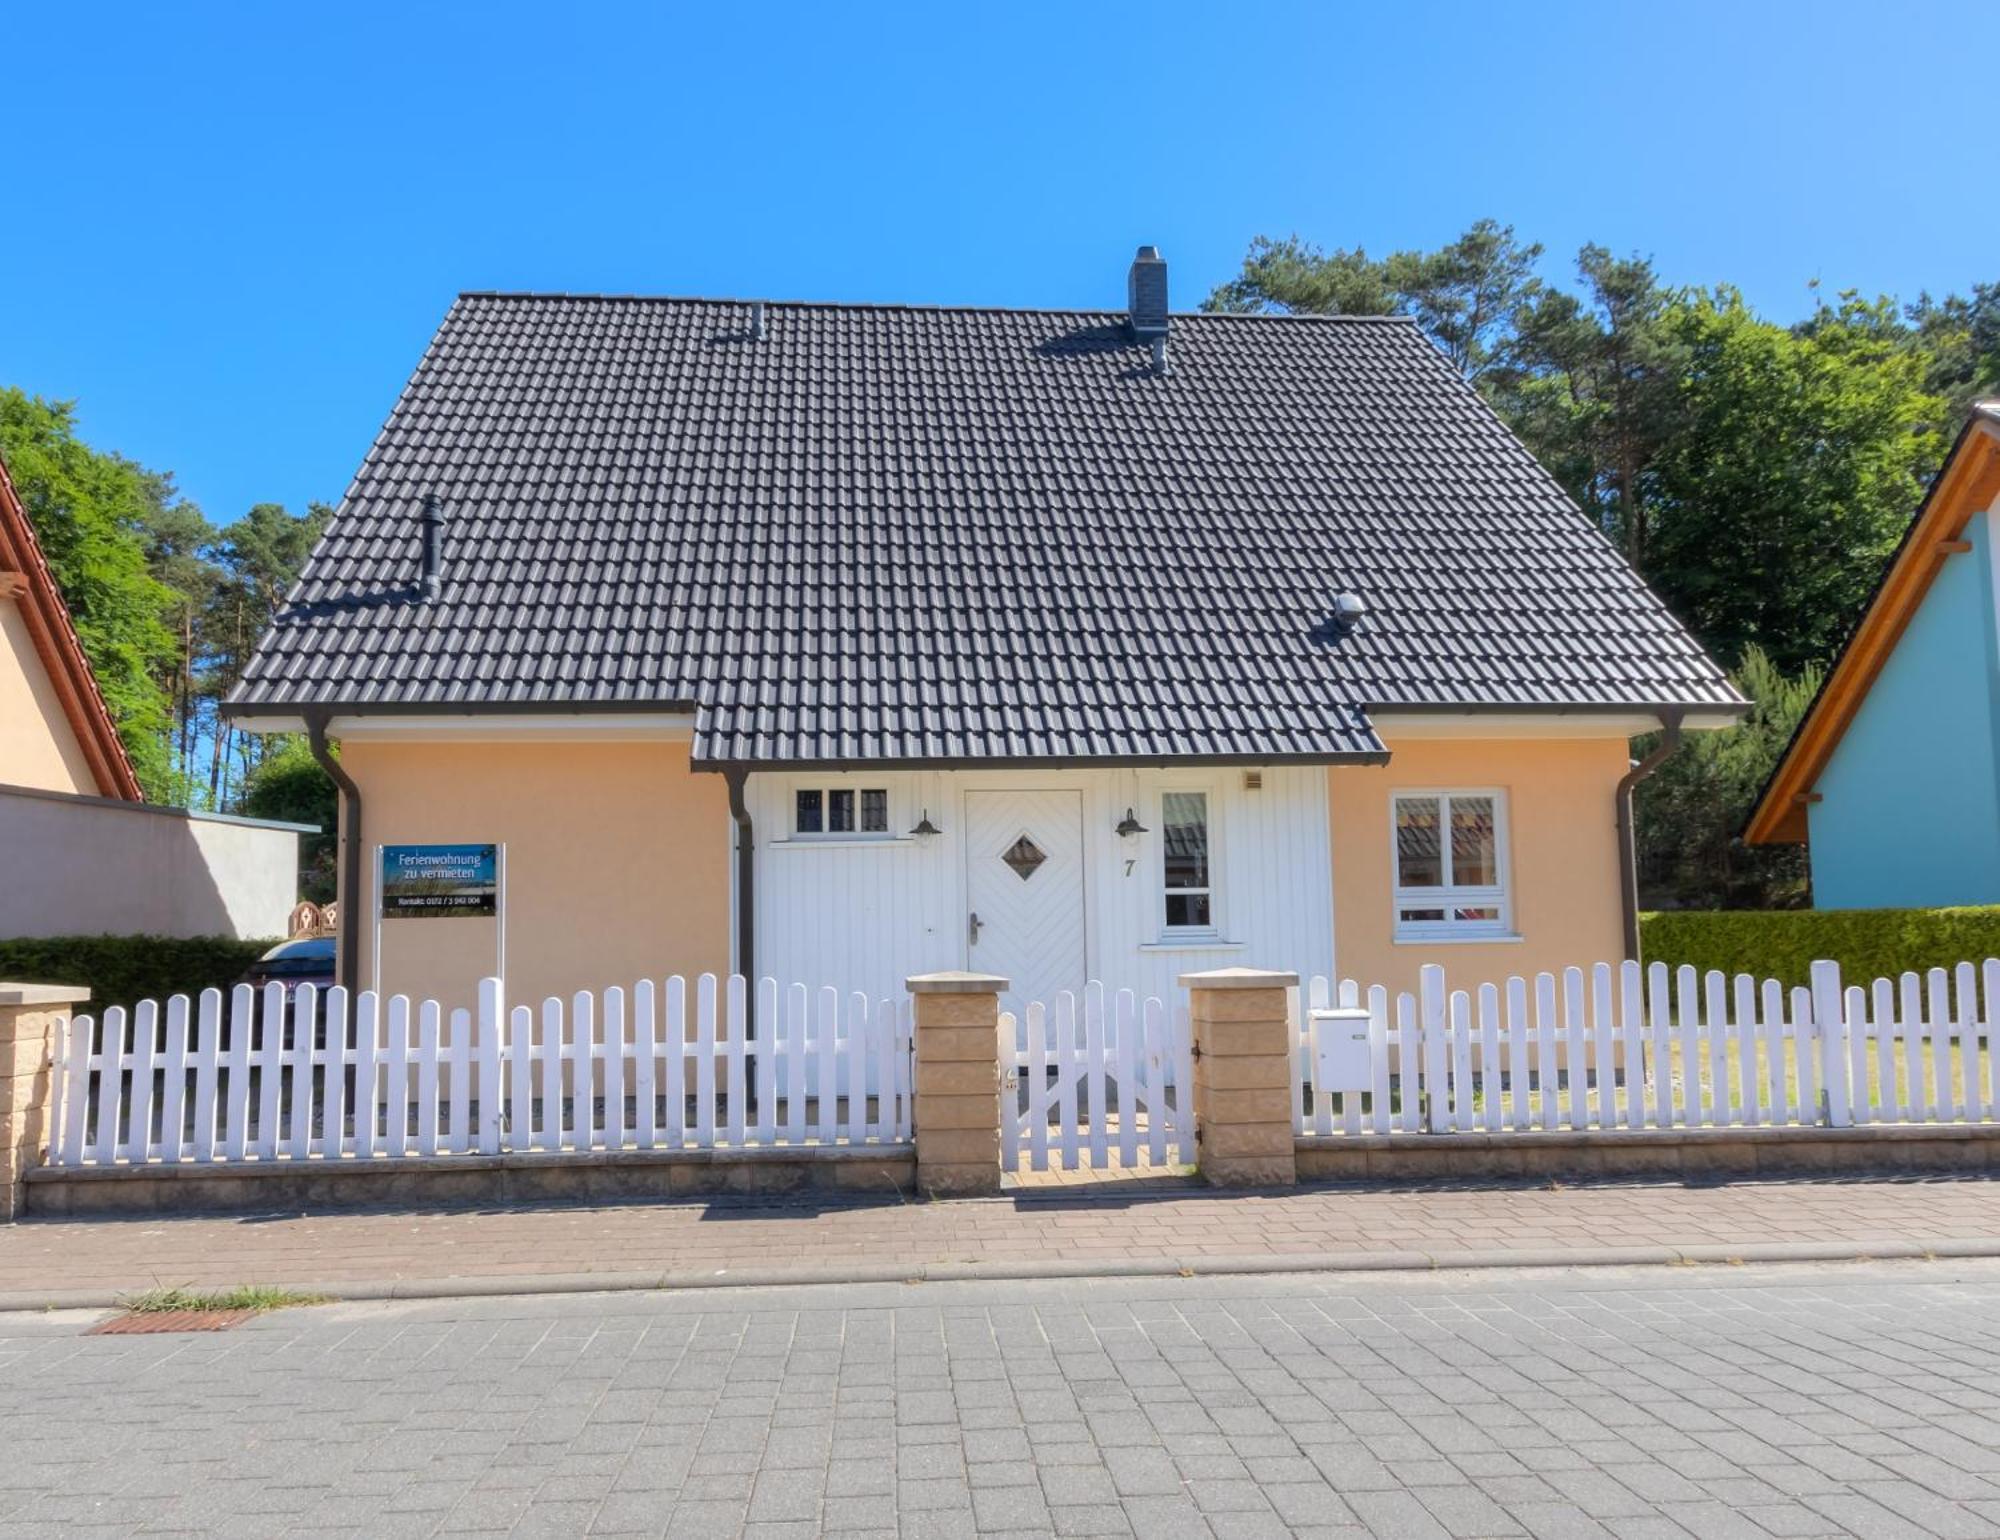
(957, 1112)
(1243, 1104)
(31, 1021)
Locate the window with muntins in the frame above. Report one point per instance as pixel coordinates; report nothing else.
(1451, 866)
(1185, 854)
(834, 812)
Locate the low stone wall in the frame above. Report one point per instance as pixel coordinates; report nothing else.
(1694, 1152)
(447, 1180)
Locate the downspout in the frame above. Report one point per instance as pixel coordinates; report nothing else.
(746, 867)
(350, 851)
(1628, 852)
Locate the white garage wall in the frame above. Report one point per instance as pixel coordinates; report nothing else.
(88, 865)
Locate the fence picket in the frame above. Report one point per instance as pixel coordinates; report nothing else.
(737, 1036)
(705, 1025)
(826, 1024)
(207, 1066)
(428, 1037)
(1909, 1023)
(1632, 1042)
(521, 1073)
(548, 1135)
(1862, 1108)
(173, 1081)
(1124, 1040)
(1805, 1055)
(1093, 1070)
(1937, 1032)
(645, 1056)
(458, 1131)
(767, 1063)
(1459, 1024)
(582, 1058)
(1153, 1033)
(857, 1065)
(1687, 1036)
(298, 1072)
(492, 1009)
(1065, 1054)
(674, 1131)
(1520, 1074)
(1035, 1072)
(1491, 1079)
(1435, 1046)
(333, 1099)
(74, 1103)
(882, 1038)
(1970, 1105)
(1989, 1000)
(1659, 1063)
(796, 1004)
(112, 1059)
(367, 1074)
(1780, 1103)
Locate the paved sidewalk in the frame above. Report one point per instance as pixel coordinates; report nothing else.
(1619, 1404)
(1111, 1230)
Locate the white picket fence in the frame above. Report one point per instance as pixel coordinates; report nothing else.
(264, 1078)
(1622, 1047)
(1087, 1085)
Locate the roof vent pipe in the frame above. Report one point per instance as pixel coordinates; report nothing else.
(757, 320)
(431, 528)
(1161, 365)
(1146, 294)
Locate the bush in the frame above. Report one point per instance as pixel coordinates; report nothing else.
(123, 970)
(1784, 943)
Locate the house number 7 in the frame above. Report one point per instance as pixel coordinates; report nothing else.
(1130, 862)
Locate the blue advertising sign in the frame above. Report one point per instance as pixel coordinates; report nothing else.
(438, 881)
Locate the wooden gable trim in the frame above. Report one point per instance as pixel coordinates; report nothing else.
(1968, 484)
(61, 652)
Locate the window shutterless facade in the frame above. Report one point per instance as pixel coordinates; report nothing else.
(835, 812)
(1450, 858)
(1187, 858)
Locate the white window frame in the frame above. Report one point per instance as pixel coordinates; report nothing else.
(1212, 802)
(826, 788)
(1496, 896)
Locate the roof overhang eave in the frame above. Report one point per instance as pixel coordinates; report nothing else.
(1249, 761)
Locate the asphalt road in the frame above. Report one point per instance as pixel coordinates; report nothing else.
(1781, 1401)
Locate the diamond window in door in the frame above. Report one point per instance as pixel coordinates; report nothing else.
(1023, 856)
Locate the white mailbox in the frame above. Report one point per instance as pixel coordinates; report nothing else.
(1346, 1059)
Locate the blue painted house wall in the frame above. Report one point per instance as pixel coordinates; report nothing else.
(1909, 814)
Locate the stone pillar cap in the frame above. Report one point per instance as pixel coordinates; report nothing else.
(956, 984)
(42, 994)
(1240, 978)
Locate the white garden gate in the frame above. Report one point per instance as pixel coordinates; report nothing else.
(1108, 1089)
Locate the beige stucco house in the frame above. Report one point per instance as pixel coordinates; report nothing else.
(86, 854)
(839, 643)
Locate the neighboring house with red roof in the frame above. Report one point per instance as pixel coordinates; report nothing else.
(86, 854)
(58, 735)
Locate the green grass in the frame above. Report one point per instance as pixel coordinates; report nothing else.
(249, 1296)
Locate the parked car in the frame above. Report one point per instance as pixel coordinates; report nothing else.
(292, 963)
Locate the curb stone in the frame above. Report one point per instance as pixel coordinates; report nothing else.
(1144, 1267)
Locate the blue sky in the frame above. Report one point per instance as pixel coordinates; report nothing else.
(235, 227)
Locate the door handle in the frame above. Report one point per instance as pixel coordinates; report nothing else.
(972, 926)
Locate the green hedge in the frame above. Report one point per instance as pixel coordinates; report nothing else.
(1783, 943)
(122, 970)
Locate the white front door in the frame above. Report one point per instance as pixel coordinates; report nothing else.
(1024, 891)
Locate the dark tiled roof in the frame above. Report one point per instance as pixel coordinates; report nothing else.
(886, 533)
